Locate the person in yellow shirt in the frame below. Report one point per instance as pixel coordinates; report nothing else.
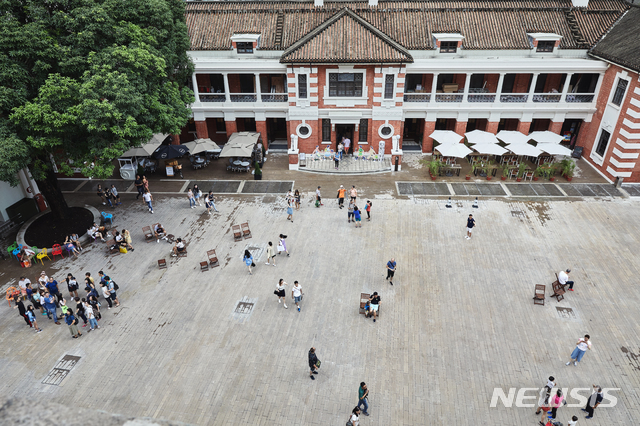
(341, 194)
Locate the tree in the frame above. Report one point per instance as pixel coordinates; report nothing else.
(82, 81)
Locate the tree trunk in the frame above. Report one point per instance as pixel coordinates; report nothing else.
(52, 193)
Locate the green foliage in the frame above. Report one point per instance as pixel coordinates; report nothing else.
(85, 80)
(521, 169)
(567, 166)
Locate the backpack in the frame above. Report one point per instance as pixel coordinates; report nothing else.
(115, 286)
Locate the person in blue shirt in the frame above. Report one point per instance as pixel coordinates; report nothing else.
(72, 323)
(32, 317)
(358, 216)
(50, 306)
(391, 270)
(112, 290)
(52, 286)
(248, 260)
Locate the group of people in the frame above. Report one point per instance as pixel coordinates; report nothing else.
(45, 296)
(248, 260)
(195, 194)
(296, 293)
(109, 196)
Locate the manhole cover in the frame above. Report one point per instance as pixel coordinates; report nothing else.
(61, 369)
(565, 313)
(244, 308)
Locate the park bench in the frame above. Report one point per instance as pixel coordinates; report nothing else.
(213, 258)
(538, 296)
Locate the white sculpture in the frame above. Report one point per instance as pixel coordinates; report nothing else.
(294, 142)
(395, 142)
(381, 150)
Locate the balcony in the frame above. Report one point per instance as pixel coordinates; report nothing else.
(580, 97)
(514, 98)
(449, 97)
(217, 97)
(274, 97)
(484, 97)
(547, 97)
(243, 97)
(417, 97)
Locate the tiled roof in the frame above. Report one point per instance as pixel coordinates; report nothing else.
(346, 37)
(485, 24)
(619, 45)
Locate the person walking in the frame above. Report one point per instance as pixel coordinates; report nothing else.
(581, 348)
(296, 294)
(391, 270)
(197, 194)
(115, 195)
(106, 294)
(341, 194)
(212, 201)
(72, 285)
(594, 400)
(555, 403)
(145, 184)
(192, 199)
(290, 210)
(95, 305)
(296, 195)
(282, 245)
(112, 290)
(80, 311)
(470, 224)
(271, 254)
(318, 198)
(363, 393)
(22, 310)
(88, 309)
(72, 322)
(32, 318)
(350, 210)
(353, 193)
(354, 420)
(100, 193)
(148, 198)
(281, 292)
(545, 394)
(358, 217)
(314, 363)
(368, 210)
(248, 260)
(139, 186)
(347, 146)
(563, 279)
(128, 242)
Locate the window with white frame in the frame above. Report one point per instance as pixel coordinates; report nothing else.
(448, 46)
(244, 47)
(546, 46)
(388, 86)
(302, 86)
(601, 148)
(618, 95)
(345, 84)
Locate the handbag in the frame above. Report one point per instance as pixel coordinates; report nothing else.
(275, 292)
(349, 423)
(115, 286)
(123, 249)
(253, 264)
(318, 364)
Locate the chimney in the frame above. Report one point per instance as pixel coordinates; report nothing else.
(373, 2)
(318, 3)
(580, 3)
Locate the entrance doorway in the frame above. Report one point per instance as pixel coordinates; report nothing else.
(277, 130)
(412, 138)
(344, 130)
(570, 130)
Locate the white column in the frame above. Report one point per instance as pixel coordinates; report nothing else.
(257, 86)
(434, 87)
(532, 90)
(226, 87)
(597, 89)
(499, 88)
(195, 87)
(467, 83)
(565, 88)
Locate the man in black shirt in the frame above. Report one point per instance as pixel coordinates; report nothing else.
(313, 363)
(139, 186)
(470, 224)
(374, 304)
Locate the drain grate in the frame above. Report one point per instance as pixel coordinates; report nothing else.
(61, 370)
(565, 313)
(244, 308)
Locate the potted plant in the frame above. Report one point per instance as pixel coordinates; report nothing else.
(549, 170)
(521, 168)
(567, 166)
(257, 173)
(539, 171)
(505, 171)
(434, 168)
(467, 177)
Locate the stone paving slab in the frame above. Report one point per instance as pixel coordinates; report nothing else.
(632, 190)
(217, 186)
(267, 187)
(534, 189)
(590, 190)
(68, 185)
(422, 188)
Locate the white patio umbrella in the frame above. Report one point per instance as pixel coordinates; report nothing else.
(446, 136)
(148, 148)
(524, 149)
(240, 145)
(453, 150)
(546, 137)
(489, 148)
(201, 145)
(480, 136)
(511, 136)
(554, 149)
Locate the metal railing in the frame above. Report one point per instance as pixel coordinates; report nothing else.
(243, 97)
(580, 97)
(514, 98)
(449, 97)
(274, 97)
(417, 97)
(547, 97)
(484, 97)
(217, 97)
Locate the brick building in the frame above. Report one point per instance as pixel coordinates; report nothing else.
(372, 70)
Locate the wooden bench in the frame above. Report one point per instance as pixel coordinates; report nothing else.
(213, 258)
(204, 266)
(148, 234)
(162, 264)
(558, 291)
(538, 296)
(246, 232)
(237, 233)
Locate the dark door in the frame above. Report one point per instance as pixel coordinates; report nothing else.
(346, 131)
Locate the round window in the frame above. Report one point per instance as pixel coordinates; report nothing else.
(303, 130)
(385, 131)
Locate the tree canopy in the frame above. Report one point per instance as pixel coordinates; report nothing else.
(85, 80)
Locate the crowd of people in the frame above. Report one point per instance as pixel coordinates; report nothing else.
(46, 298)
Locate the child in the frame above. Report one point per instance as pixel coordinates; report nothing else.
(356, 213)
(63, 307)
(32, 317)
(368, 209)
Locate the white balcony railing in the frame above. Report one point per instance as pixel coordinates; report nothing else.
(417, 97)
(212, 97)
(484, 97)
(580, 97)
(274, 97)
(449, 97)
(243, 97)
(514, 98)
(547, 97)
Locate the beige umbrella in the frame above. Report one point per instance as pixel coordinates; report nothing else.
(240, 145)
(445, 136)
(146, 149)
(481, 137)
(201, 145)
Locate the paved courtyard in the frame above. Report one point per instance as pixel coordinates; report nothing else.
(458, 323)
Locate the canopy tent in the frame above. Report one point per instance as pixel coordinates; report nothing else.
(546, 137)
(240, 144)
(554, 149)
(511, 136)
(148, 148)
(446, 137)
(489, 148)
(453, 150)
(167, 152)
(480, 136)
(201, 145)
(524, 149)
